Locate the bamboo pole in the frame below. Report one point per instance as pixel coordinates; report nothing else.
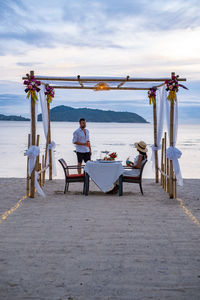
(43, 173)
(97, 79)
(40, 175)
(49, 142)
(167, 175)
(171, 194)
(175, 186)
(162, 163)
(155, 141)
(28, 177)
(33, 135)
(38, 157)
(165, 160)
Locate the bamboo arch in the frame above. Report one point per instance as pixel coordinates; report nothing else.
(111, 83)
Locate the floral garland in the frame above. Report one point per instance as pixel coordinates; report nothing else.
(152, 95)
(32, 87)
(49, 93)
(172, 87)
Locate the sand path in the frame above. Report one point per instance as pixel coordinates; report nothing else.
(98, 247)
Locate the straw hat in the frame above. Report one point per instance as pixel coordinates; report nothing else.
(142, 146)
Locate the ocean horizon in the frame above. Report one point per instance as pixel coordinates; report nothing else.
(118, 137)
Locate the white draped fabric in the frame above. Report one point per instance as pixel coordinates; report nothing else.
(43, 104)
(174, 153)
(52, 146)
(32, 153)
(160, 120)
(36, 113)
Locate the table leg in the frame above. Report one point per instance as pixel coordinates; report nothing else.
(86, 183)
(120, 186)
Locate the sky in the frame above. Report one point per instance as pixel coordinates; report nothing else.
(138, 38)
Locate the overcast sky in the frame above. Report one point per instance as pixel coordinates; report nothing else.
(104, 37)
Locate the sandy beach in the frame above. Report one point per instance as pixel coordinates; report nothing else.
(101, 246)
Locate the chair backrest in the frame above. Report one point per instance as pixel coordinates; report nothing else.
(142, 167)
(64, 165)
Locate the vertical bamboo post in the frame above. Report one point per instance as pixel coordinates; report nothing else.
(43, 173)
(33, 135)
(168, 175)
(162, 164)
(38, 157)
(155, 141)
(28, 179)
(171, 194)
(175, 189)
(165, 161)
(49, 142)
(40, 176)
(45, 158)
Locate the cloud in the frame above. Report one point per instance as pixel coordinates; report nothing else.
(28, 64)
(99, 37)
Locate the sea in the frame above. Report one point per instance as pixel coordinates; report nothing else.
(117, 137)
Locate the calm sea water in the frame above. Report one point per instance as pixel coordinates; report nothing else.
(104, 136)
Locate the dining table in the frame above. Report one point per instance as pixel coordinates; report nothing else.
(103, 173)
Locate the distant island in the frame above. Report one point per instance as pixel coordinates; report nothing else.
(12, 118)
(64, 113)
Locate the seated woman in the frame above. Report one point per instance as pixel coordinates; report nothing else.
(135, 171)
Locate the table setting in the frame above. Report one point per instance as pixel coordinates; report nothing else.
(103, 172)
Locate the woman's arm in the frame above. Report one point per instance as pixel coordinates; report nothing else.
(138, 165)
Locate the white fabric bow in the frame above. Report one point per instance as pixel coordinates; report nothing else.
(32, 153)
(52, 146)
(174, 154)
(154, 148)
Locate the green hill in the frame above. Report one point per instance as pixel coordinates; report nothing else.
(12, 118)
(64, 113)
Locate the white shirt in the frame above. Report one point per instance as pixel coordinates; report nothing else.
(81, 137)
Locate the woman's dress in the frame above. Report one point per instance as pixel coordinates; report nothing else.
(133, 172)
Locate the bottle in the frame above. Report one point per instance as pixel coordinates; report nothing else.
(128, 161)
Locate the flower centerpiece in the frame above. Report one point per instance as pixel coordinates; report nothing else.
(172, 86)
(32, 86)
(112, 156)
(152, 95)
(49, 93)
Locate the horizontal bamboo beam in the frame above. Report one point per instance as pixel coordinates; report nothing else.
(92, 88)
(92, 79)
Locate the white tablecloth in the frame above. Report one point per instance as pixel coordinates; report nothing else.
(104, 174)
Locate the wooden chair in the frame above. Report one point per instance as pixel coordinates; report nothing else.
(130, 179)
(71, 177)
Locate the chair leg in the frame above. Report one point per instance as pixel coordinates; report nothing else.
(141, 188)
(66, 187)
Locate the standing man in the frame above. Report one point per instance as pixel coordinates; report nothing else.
(82, 142)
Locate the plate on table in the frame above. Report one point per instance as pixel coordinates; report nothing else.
(108, 161)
